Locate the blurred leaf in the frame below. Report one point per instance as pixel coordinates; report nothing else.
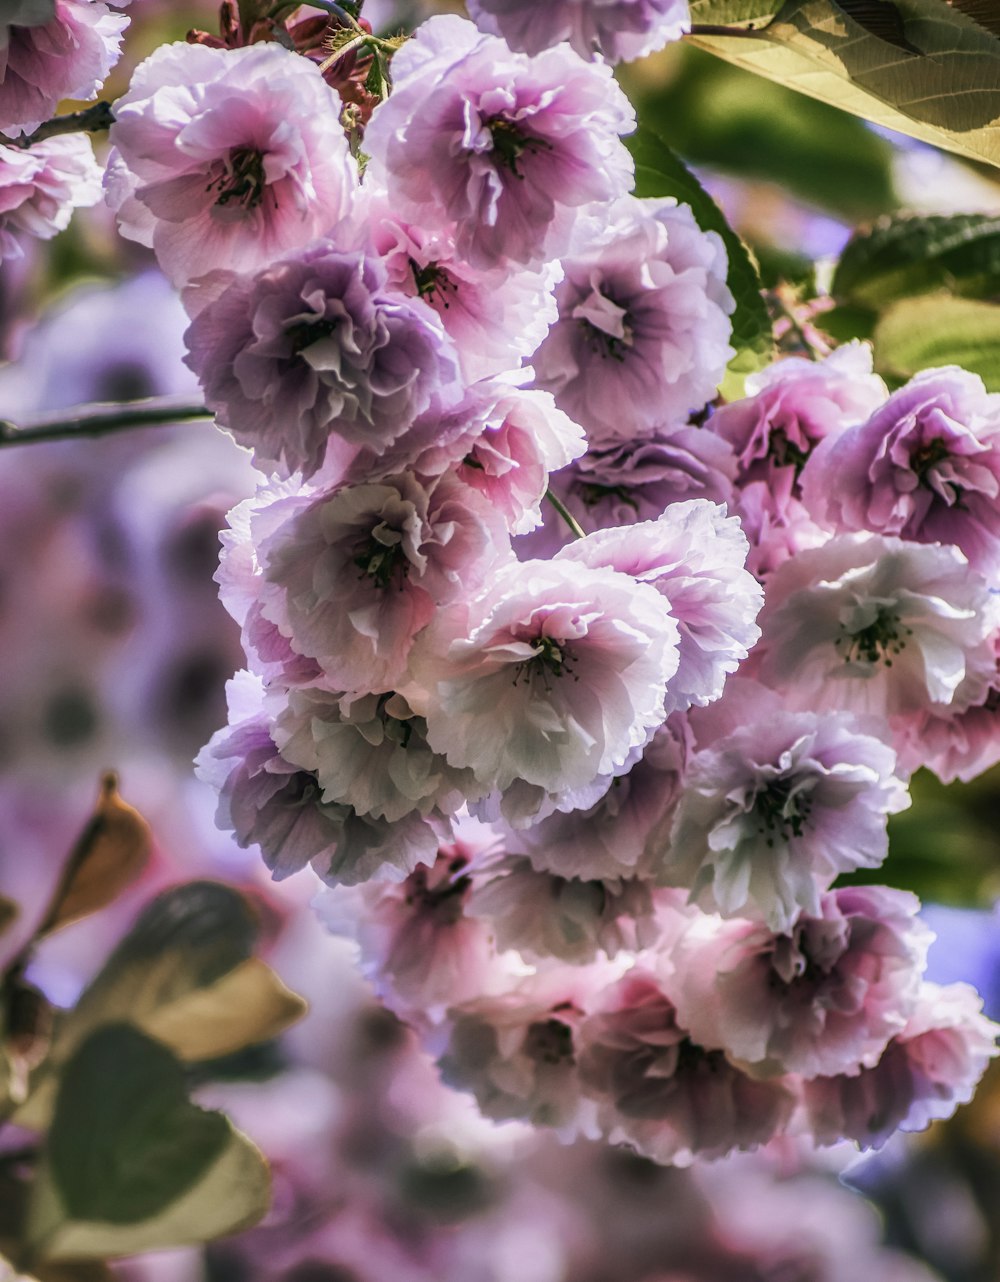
(130, 1164)
(9, 912)
(716, 114)
(185, 975)
(659, 172)
(948, 94)
(28, 13)
(846, 322)
(917, 333)
(904, 257)
(110, 852)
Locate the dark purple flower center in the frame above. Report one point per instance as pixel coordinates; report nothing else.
(382, 557)
(927, 458)
(304, 333)
(243, 178)
(549, 1041)
(552, 658)
(781, 810)
(433, 283)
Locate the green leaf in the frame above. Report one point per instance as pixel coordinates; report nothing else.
(130, 1164)
(917, 333)
(185, 975)
(29, 13)
(718, 115)
(939, 81)
(906, 257)
(659, 172)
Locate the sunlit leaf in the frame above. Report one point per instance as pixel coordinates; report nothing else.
(130, 1164)
(905, 257)
(659, 172)
(184, 974)
(918, 333)
(110, 852)
(947, 94)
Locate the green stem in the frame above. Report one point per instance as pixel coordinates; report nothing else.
(101, 421)
(576, 528)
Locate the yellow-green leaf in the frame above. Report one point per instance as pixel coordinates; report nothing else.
(939, 81)
(130, 1164)
(938, 329)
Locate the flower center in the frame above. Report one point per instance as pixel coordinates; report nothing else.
(781, 810)
(784, 453)
(510, 143)
(433, 283)
(382, 557)
(303, 334)
(243, 178)
(876, 642)
(927, 458)
(549, 1041)
(607, 326)
(552, 658)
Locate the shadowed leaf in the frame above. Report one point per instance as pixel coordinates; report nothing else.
(130, 1164)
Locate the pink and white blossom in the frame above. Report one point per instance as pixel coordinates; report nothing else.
(496, 316)
(642, 338)
(774, 811)
(933, 1065)
(623, 832)
(694, 556)
(496, 148)
(618, 30)
(41, 185)
(370, 752)
(352, 577)
(66, 57)
(550, 678)
(822, 998)
(517, 1052)
(316, 357)
(924, 467)
(542, 915)
(879, 627)
(660, 1092)
(228, 158)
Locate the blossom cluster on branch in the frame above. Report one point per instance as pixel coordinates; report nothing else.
(579, 689)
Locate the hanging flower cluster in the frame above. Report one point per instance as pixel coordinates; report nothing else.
(579, 692)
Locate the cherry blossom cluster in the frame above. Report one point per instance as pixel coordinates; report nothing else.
(580, 690)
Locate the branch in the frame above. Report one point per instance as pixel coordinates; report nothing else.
(102, 421)
(92, 120)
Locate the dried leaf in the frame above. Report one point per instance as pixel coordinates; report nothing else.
(110, 852)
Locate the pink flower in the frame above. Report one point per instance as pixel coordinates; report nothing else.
(418, 946)
(642, 338)
(694, 556)
(925, 467)
(265, 800)
(317, 357)
(496, 148)
(623, 833)
(659, 1091)
(517, 1052)
(619, 30)
(542, 915)
(879, 627)
(40, 186)
(932, 1066)
(496, 316)
(67, 57)
(791, 407)
(228, 158)
(352, 577)
(637, 480)
(773, 811)
(370, 752)
(550, 678)
(822, 998)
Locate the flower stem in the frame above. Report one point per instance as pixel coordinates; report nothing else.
(576, 528)
(92, 120)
